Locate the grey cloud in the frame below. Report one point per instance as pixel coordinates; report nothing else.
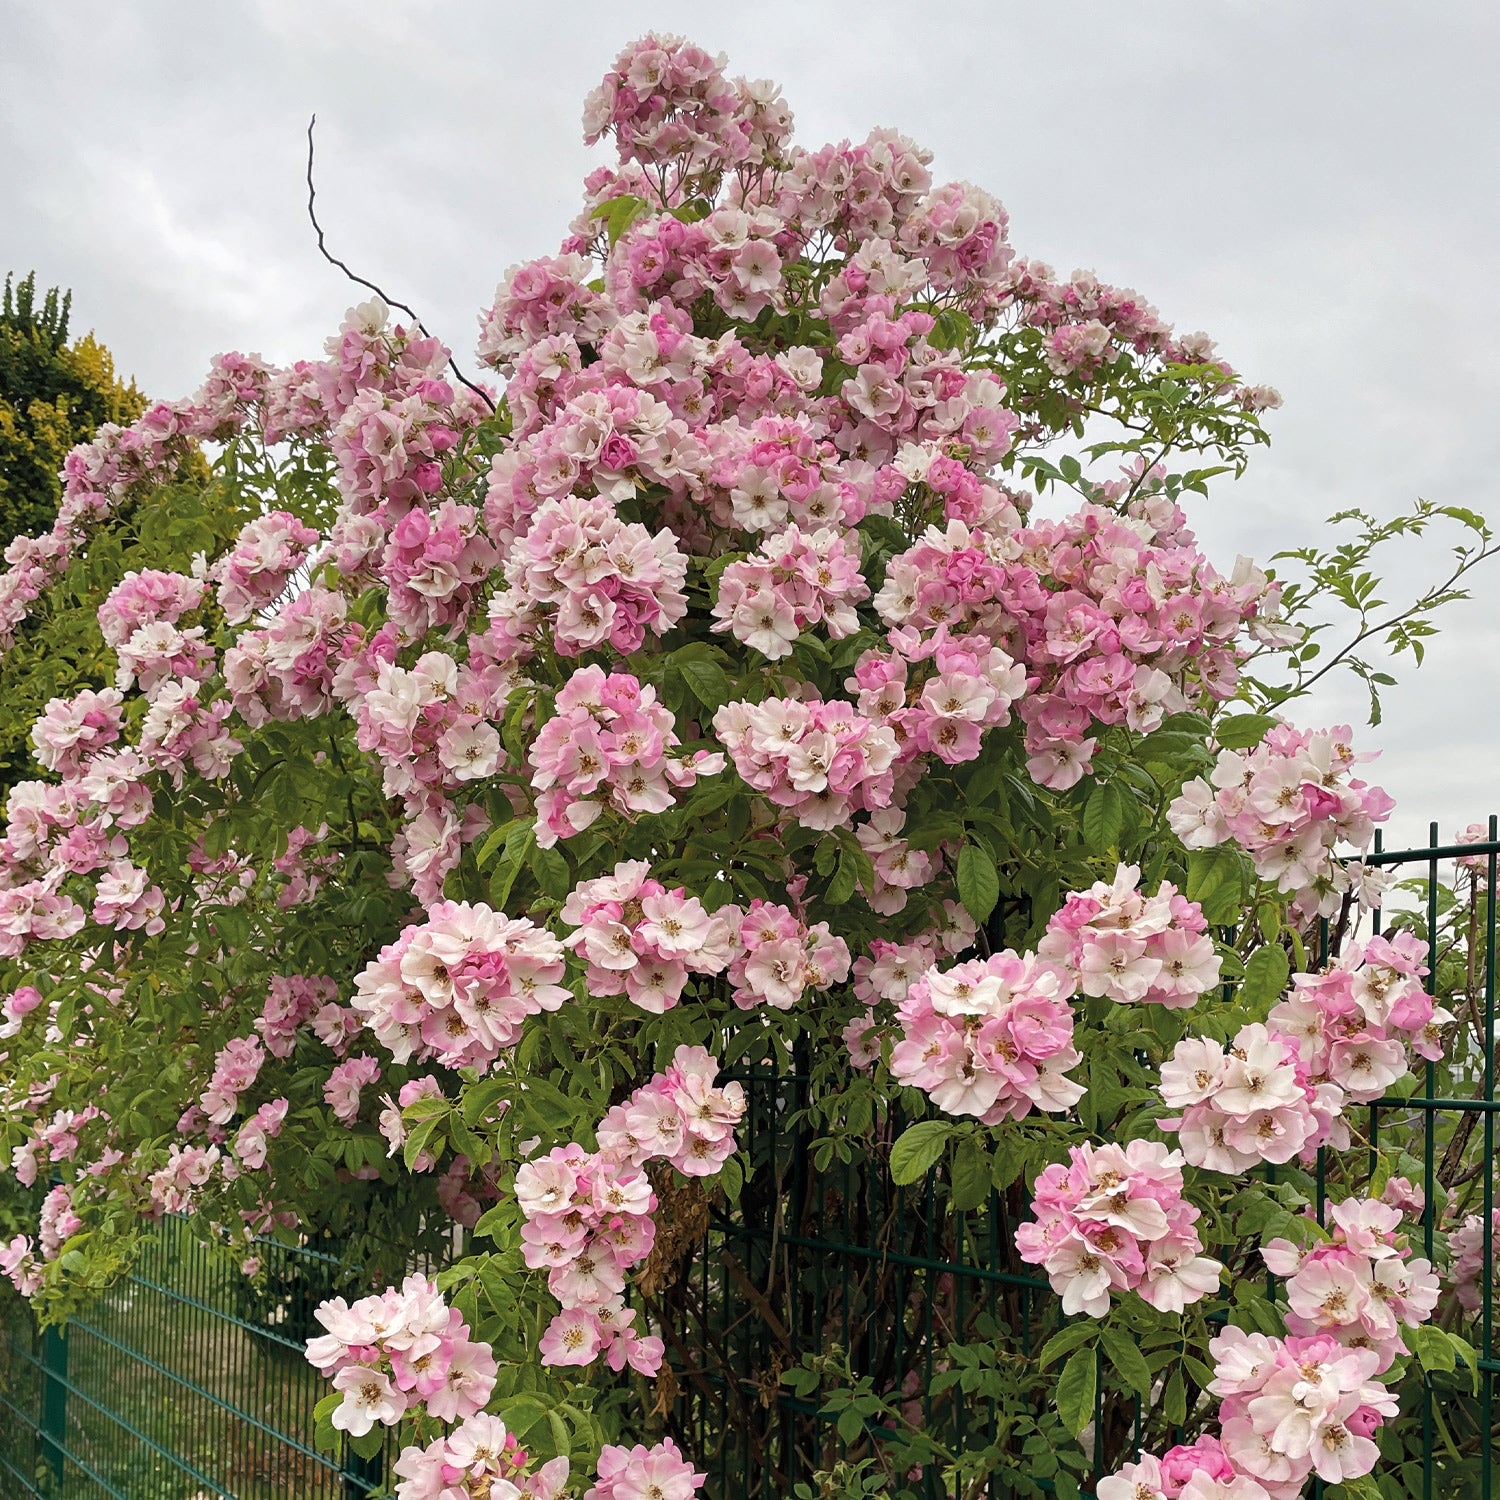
(1314, 185)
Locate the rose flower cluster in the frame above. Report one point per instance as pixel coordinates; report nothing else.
(1249, 1103)
(1114, 1219)
(1355, 1021)
(1296, 1406)
(821, 761)
(609, 739)
(1131, 948)
(642, 940)
(1287, 803)
(1362, 1285)
(588, 1213)
(400, 1350)
(457, 986)
(778, 958)
(991, 1038)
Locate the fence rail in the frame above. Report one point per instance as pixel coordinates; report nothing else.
(186, 1381)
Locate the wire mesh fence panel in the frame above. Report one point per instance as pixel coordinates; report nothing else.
(879, 1280)
(186, 1379)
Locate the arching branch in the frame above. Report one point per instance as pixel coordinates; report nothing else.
(333, 260)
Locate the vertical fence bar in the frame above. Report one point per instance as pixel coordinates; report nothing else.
(53, 1434)
(1429, 1124)
(1487, 1270)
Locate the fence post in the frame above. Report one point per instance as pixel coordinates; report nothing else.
(53, 1432)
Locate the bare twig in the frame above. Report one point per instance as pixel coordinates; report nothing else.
(757, 1300)
(385, 297)
(1453, 1157)
(1341, 930)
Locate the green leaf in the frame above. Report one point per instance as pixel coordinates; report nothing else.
(418, 1140)
(1107, 1088)
(465, 1142)
(493, 840)
(520, 701)
(707, 680)
(1469, 1354)
(501, 883)
(1242, 731)
(732, 1178)
(978, 882)
(325, 1434)
(552, 873)
(691, 211)
(951, 329)
(1215, 880)
(367, 1444)
(1084, 1332)
(1104, 818)
(971, 1175)
(517, 845)
(1121, 1351)
(1432, 1348)
(1252, 1307)
(850, 1424)
(845, 877)
(982, 786)
(522, 1413)
(918, 1149)
(1254, 1219)
(619, 214)
(492, 1221)
(1172, 747)
(479, 1098)
(1076, 1388)
(1175, 1403)
(1266, 973)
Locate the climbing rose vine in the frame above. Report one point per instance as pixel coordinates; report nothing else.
(755, 674)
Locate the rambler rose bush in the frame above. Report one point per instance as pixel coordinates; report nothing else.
(710, 693)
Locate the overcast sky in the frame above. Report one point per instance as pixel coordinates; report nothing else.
(1313, 184)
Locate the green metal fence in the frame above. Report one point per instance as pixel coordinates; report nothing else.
(183, 1381)
(1442, 1465)
(842, 1259)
